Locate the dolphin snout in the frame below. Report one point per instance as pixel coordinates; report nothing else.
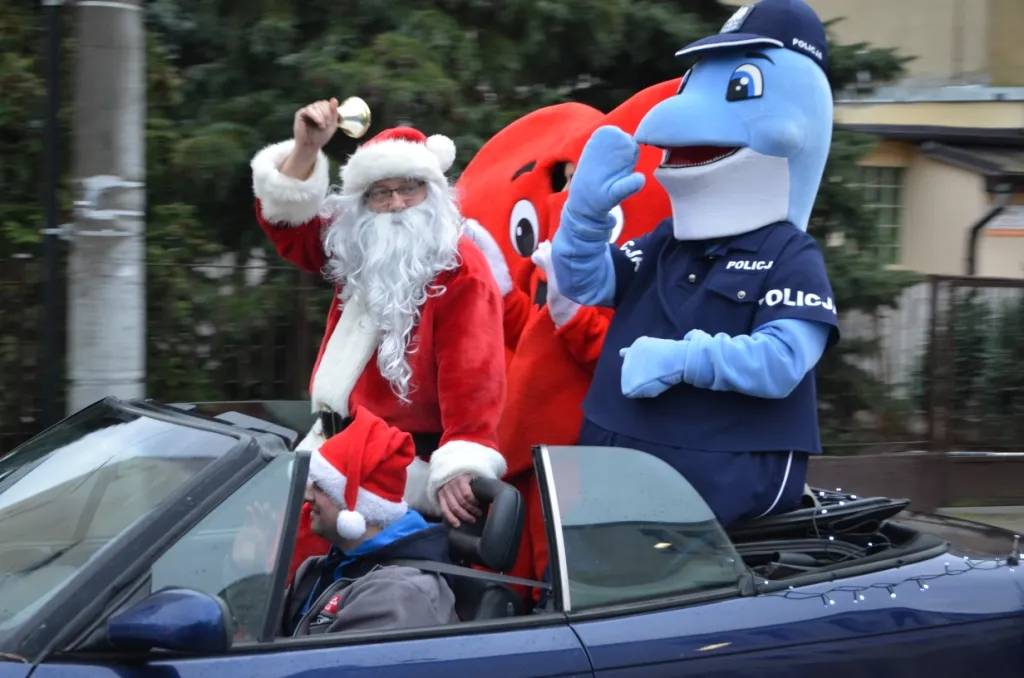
(693, 131)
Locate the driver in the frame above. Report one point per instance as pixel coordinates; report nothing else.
(415, 330)
(356, 483)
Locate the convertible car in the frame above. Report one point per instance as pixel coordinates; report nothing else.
(118, 527)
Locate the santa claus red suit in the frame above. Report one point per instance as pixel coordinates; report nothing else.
(414, 333)
(555, 342)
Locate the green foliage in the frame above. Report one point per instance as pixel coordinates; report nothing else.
(22, 107)
(975, 374)
(224, 78)
(860, 281)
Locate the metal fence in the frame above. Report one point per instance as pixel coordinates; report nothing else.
(975, 370)
(233, 332)
(22, 351)
(952, 352)
(220, 331)
(950, 355)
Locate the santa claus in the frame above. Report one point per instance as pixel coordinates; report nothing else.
(414, 333)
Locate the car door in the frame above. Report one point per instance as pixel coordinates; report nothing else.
(654, 587)
(218, 557)
(524, 648)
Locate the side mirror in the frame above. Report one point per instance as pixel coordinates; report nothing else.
(174, 619)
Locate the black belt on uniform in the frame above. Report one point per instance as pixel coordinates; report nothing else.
(426, 443)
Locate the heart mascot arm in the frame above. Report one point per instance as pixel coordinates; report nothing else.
(581, 328)
(769, 363)
(517, 313)
(584, 335)
(581, 254)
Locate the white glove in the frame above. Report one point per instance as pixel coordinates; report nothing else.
(495, 259)
(562, 309)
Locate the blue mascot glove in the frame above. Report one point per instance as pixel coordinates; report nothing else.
(652, 366)
(604, 177)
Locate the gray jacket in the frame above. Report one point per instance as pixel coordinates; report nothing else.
(387, 597)
(368, 592)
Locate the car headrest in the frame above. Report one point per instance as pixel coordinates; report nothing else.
(493, 540)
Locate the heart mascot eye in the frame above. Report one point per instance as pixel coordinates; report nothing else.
(523, 227)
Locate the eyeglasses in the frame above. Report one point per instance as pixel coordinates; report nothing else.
(382, 194)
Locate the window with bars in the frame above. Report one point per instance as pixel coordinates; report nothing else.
(882, 188)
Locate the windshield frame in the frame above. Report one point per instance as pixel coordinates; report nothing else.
(100, 582)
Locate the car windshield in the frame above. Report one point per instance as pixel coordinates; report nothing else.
(634, 529)
(71, 491)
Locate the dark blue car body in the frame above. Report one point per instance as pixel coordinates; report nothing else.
(953, 605)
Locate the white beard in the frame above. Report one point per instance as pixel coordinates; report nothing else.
(390, 260)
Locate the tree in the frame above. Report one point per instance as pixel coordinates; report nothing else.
(975, 369)
(226, 78)
(226, 318)
(859, 277)
(22, 110)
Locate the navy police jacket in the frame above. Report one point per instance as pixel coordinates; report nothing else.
(665, 288)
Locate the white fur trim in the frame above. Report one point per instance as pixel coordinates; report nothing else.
(416, 488)
(443, 148)
(462, 456)
(350, 525)
(348, 351)
(391, 159)
(492, 252)
(314, 439)
(375, 509)
(286, 200)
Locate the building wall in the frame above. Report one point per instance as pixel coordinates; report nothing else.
(1001, 251)
(1006, 58)
(948, 39)
(954, 41)
(940, 204)
(1007, 114)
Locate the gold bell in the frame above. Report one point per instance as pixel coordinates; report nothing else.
(354, 117)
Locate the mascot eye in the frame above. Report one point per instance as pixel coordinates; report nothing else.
(523, 228)
(746, 83)
(620, 222)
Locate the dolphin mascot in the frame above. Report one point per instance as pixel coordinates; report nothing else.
(723, 311)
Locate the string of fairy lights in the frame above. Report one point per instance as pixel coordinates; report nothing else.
(857, 593)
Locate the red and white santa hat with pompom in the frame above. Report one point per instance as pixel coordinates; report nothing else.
(398, 153)
(363, 470)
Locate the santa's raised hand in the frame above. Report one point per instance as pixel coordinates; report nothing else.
(315, 124)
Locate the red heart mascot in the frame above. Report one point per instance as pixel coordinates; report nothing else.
(512, 193)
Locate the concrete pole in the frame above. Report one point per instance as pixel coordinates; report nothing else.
(107, 258)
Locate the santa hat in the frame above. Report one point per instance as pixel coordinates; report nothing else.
(363, 471)
(398, 153)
